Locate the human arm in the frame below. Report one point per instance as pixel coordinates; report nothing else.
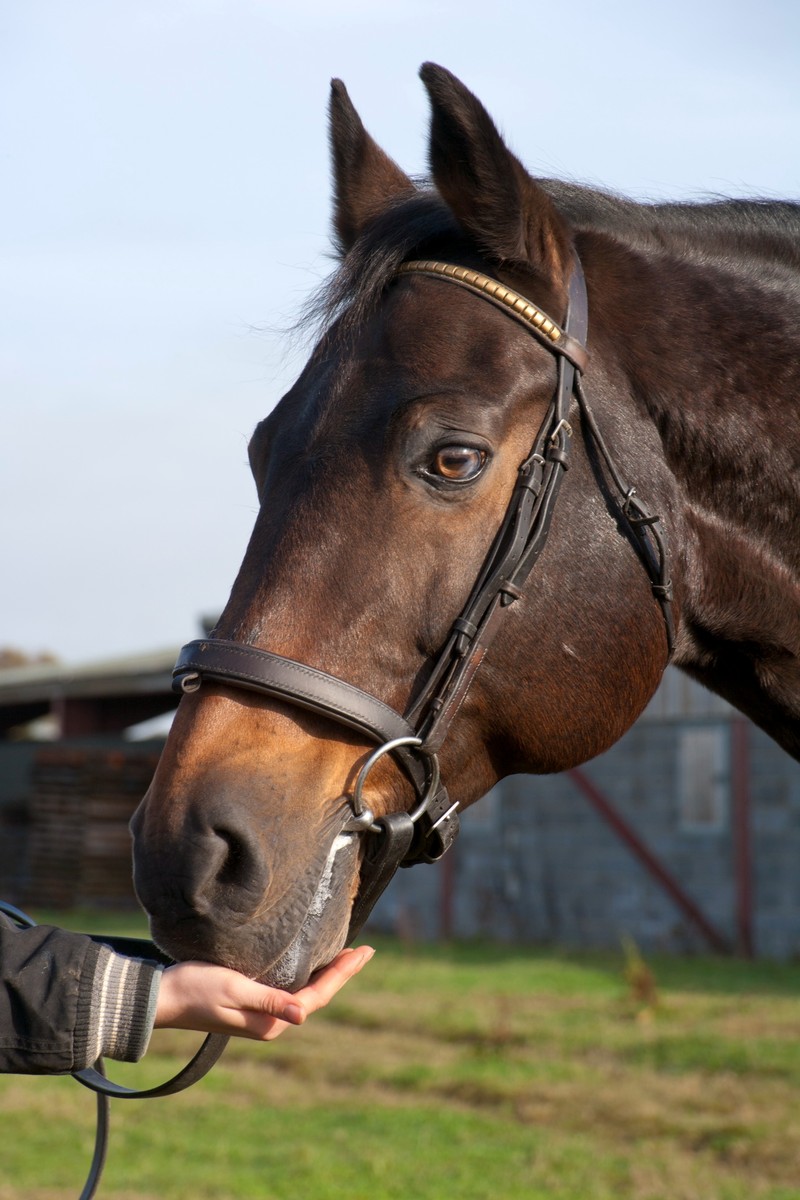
(66, 999)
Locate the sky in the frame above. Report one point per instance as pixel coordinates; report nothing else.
(165, 214)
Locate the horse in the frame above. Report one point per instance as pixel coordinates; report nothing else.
(430, 600)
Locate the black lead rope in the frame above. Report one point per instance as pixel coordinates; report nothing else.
(94, 1078)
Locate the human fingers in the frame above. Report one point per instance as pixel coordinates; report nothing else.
(196, 995)
(326, 982)
(294, 1007)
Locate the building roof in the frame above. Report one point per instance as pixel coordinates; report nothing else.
(89, 698)
(44, 682)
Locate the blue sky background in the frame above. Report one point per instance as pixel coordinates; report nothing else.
(165, 211)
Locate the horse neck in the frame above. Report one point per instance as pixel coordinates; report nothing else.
(713, 358)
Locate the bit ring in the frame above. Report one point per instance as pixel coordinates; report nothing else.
(360, 809)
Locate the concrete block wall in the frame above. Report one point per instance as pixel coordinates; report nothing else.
(535, 862)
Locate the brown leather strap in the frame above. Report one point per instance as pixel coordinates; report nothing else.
(260, 671)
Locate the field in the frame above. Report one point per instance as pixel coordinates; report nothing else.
(459, 1073)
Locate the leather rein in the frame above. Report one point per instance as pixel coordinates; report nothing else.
(415, 737)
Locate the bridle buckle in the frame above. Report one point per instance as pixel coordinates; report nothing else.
(564, 425)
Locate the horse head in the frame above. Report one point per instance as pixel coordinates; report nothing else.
(383, 478)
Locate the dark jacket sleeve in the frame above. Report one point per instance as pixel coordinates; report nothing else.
(65, 1000)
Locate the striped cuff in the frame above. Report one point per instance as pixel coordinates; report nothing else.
(123, 1006)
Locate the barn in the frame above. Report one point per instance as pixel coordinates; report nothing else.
(72, 770)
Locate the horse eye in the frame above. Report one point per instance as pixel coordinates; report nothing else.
(459, 463)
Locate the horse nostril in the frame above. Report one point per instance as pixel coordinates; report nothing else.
(235, 874)
(238, 860)
(216, 870)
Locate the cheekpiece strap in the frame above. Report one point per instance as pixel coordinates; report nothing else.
(523, 533)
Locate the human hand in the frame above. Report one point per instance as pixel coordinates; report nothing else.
(211, 999)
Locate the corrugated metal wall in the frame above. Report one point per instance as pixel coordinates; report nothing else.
(536, 863)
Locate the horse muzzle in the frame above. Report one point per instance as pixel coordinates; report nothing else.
(223, 896)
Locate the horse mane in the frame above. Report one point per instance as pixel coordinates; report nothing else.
(741, 232)
(740, 228)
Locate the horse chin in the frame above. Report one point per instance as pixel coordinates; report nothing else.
(323, 932)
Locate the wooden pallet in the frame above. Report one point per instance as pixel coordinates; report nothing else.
(80, 846)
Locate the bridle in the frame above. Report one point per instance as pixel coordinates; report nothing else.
(424, 834)
(415, 737)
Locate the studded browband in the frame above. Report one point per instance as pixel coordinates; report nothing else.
(508, 301)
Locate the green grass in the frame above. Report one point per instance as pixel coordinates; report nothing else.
(458, 1073)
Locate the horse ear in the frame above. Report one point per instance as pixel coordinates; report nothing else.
(366, 180)
(494, 198)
